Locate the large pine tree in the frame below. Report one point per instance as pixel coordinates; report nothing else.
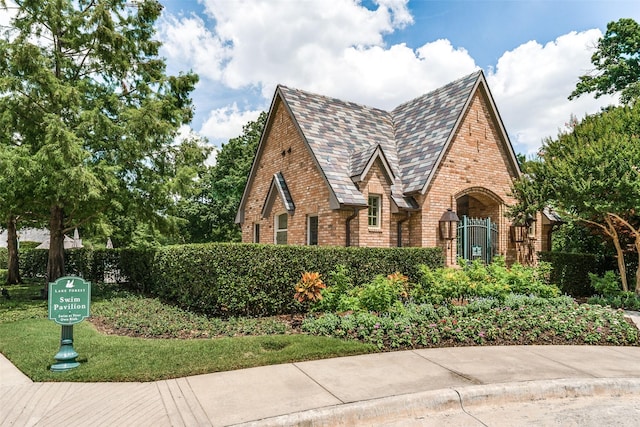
(88, 98)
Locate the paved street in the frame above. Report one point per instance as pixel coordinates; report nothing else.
(475, 386)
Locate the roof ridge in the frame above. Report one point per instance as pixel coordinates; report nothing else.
(344, 101)
(333, 99)
(438, 89)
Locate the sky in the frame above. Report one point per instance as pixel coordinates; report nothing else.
(382, 53)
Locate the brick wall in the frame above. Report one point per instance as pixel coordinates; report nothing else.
(285, 151)
(476, 164)
(375, 183)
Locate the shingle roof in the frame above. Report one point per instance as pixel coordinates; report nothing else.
(343, 135)
(424, 125)
(278, 186)
(359, 158)
(338, 130)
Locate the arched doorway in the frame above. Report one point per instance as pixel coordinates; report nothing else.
(478, 234)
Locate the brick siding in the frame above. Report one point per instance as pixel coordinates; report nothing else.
(476, 164)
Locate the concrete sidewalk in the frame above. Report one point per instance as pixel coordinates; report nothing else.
(496, 386)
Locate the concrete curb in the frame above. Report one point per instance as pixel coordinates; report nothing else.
(452, 401)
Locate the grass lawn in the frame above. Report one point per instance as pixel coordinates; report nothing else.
(133, 338)
(30, 341)
(31, 344)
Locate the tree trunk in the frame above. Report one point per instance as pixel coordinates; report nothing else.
(55, 262)
(638, 269)
(13, 276)
(616, 242)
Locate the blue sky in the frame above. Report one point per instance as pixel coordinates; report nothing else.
(385, 52)
(382, 53)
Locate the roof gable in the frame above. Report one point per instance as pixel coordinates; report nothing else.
(360, 163)
(278, 187)
(425, 125)
(334, 130)
(345, 138)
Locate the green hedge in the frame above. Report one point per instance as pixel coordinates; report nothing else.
(570, 271)
(230, 279)
(94, 265)
(257, 280)
(135, 267)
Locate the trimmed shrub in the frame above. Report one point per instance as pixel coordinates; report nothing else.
(135, 267)
(95, 265)
(570, 271)
(230, 279)
(28, 245)
(33, 263)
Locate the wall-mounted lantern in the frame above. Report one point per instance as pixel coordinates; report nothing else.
(448, 222)
(521, 231)
(531, 227)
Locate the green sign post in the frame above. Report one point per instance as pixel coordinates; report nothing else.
(69, 303)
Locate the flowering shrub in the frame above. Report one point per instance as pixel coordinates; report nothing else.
(379, 295)
(383, 292)
(336, 296)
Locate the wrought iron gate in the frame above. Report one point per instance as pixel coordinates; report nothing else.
(477, 239)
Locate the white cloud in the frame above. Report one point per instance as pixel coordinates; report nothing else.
(386, 77)
(331, 47)
(532, 82)
(289, 41)
(190, 45)
(226, 123)
(337, 48)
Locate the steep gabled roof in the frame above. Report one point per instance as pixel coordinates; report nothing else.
(334, 130)
(361, 161)
(423, 127)
(345, 138)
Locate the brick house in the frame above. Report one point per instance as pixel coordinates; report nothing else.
(331, 172)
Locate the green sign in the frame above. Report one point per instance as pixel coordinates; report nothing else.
(69, 300)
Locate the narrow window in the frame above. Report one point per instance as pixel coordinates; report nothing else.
(374, 210)
(256, 232)
(281, 229)
(312, 230)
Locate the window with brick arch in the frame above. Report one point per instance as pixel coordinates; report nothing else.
(375, 210)
(281, 228)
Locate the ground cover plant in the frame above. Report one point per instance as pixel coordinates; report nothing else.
(519, 319)
(132, 337)
(471, 305)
